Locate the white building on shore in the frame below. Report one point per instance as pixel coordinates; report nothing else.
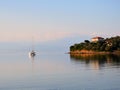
(96, 39)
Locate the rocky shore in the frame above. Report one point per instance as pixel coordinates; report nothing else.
(93, 52)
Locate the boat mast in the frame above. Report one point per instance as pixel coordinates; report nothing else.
(32, 43)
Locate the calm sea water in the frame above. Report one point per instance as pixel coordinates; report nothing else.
(58, 71)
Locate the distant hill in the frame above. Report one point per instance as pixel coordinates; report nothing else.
(105, 45)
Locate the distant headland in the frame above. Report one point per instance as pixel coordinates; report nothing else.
(97, 45)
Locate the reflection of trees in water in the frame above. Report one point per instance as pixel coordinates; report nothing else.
(97, 60)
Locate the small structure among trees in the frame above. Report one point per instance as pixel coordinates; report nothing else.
(96, 39)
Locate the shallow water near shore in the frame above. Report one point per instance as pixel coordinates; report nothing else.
(58, 71)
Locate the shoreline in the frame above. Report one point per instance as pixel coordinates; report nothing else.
(92, 52)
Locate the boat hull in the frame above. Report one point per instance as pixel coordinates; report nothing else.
(32, 54)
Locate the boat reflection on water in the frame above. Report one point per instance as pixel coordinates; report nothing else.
(97, 61)
(32, 58)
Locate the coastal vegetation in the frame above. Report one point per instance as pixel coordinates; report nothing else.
(108, 45)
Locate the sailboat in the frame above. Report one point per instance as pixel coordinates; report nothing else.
(32, 53)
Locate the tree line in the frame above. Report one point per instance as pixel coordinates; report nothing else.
(108, 44)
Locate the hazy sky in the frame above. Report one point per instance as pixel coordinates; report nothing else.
(46, 20)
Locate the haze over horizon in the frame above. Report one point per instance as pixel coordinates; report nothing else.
(50, 20)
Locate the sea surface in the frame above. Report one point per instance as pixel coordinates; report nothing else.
(58, 71)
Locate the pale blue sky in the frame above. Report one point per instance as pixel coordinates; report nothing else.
(47, 20)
